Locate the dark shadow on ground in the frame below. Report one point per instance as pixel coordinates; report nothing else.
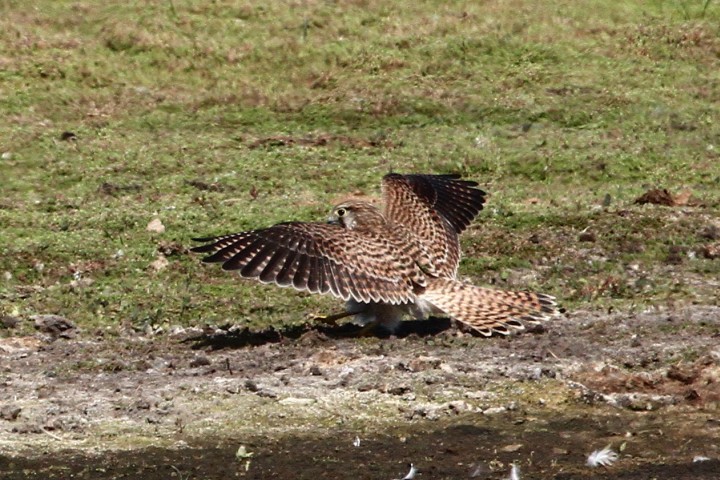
(444, 453)
(230, 336)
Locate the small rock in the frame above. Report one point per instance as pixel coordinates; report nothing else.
(160, 263)
(142, 404)
(681, 375)
(267, 394)
(675, 255)
(398, 390)
(494, 410)
(656, 196)
(10, 412)
(429, 412)
(296, 401)
(68, 136)
(27, 428)
(458, 406)
(315, 371)
(711, 251)
(8, 321)
(587, 237)
(199, 361)
(55, 325)
(170, 249)
(639, 401)
(511, 448)
(156, 226)
(711, 232)
(423, 363)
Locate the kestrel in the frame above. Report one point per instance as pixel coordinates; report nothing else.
(386, 264)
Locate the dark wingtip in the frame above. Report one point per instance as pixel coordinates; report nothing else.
(202, 248)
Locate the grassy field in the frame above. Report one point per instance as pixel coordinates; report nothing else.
(222, 116)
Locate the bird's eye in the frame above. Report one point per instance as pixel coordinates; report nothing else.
(340, 212)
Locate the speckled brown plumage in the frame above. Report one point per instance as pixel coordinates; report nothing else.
(404, 256)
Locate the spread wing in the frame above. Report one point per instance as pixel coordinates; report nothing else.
(434, 209)
(318, 258)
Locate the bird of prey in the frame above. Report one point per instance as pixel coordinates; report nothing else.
(385, 263)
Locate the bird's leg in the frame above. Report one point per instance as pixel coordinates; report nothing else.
(366, 330)
(332, 319)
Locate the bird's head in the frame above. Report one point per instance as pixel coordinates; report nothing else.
(356, 215)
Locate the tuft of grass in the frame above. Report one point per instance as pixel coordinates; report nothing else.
(224, 116)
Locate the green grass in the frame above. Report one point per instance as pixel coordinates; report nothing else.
(175, 105)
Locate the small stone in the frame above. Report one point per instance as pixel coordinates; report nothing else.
(587, 237)
(681, 375)
(267, 394)
(711, 251)
(199, 361)
(675, 255)
(494, 410)
(711, 232)
(8, 321)
(54, 325)
(10, 412)
(511, 448)
(68, 136)
(160, 263)
(429, 412)
(27, 428)
(296, 401)
(423, 363)
(458, 406)
(142, 404)
(156, 226)
(398, 390)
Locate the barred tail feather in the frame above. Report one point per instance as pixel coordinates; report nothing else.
(487, 310)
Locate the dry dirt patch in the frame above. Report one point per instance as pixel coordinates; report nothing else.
(445, 400)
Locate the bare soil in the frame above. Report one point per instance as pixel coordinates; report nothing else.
(317, 402)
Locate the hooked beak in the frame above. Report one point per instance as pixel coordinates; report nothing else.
(333, 220)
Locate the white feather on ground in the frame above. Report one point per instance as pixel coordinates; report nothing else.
(411, 473)
(604, 457)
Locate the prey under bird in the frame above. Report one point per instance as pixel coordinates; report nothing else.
(385, 263)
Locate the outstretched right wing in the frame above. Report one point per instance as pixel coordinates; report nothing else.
(318, 258)
(434, 209)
